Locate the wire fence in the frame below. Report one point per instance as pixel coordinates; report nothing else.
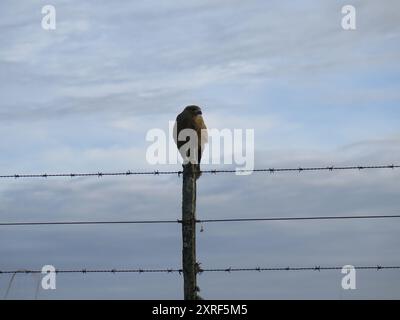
(201, 270)
(179, 173)
(178, 221)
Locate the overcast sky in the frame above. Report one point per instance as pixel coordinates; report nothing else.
(83, 97)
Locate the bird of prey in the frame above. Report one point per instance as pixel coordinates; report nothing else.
(191, 118)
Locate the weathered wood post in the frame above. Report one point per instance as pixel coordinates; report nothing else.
(189, 232)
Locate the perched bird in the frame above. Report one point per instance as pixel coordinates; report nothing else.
(191, 118)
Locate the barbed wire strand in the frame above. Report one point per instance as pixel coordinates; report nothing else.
(86, 222)
(200, 270)
(197, 221)
(157, 172)
(299, 218)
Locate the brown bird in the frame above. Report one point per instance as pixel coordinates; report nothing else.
(191, 118)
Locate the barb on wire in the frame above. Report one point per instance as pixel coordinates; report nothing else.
(179, 173)
(200, 270)
(201, 222)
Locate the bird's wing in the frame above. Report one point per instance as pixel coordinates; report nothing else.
(201, 129)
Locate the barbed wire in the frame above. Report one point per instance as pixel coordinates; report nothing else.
(86, 222)
(84, 271)
(197, 221)
(201, 270)
(179, 173)
(316, 268)
(299, 218)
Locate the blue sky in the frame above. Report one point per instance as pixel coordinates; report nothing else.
(83, 97)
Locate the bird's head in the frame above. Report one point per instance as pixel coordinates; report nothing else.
(193, 110)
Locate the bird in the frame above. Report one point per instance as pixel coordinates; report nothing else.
(191, 118)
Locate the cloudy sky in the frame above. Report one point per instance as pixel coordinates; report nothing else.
(82, 98)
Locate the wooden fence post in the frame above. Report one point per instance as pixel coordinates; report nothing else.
(189, 266)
